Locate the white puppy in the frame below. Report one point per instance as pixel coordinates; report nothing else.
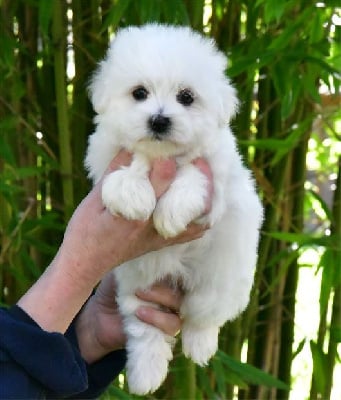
(161, 92)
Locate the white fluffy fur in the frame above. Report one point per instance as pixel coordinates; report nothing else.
(217, 270)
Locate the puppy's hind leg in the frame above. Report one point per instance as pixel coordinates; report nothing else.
(149, 353)
(200, 327)
(199, 343)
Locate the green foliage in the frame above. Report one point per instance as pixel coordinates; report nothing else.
(281, 54)
(248, 373)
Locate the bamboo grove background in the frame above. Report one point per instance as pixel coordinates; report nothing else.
(285, 62)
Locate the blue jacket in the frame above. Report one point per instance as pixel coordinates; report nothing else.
(35, 364)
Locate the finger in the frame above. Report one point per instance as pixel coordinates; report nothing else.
(194, 231)
(157, 242)
(165, 296)
(122, 159)
(204, 167)
(106, 290)
(162, 174)
(167, 322)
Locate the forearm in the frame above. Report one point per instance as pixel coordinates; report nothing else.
(56, 298)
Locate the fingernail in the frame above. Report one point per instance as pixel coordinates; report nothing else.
(141, 312)
(142, 292)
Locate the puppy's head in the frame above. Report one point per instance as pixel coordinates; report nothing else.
(162, 87)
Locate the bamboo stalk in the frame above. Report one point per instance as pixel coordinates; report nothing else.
(258, 310)
(185, 379)
(336, 310)
(64, 134)
(298, 176)
(81, 111)
(324, 332)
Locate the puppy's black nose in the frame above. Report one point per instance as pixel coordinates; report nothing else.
(160, 125)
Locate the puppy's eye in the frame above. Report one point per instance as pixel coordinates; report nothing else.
(140, 93)
(185, 97)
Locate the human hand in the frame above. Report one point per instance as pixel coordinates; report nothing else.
(99, 326)
(96, 241)
(100, 241)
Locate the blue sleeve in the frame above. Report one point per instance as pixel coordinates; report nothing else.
(39, 364)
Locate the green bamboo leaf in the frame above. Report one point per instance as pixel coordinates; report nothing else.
(45, 16)
(222, 376)
(281, 147)
(291, 97)
(282, 41)
(27, 172)
(41, 245)
(330, 277)
(119, 394)
(44, 152)
(251, 374)
(219, 375)
(50, 220)
(322, 203)
(292, 255)
(279, 256)
(175, 12)
(316, 28)
(6, 213)
(8, 189)
(150, 10)
(6, 152)
(30, 265)
(234, 379)
(264, 144)
(205, 384)
(326, 66)
(274, 10)
(310, 86)
(299, 348)
(195, 13)
(302, 239)
(7, 44)
(115, 14)
(287, 104)
(279, 70)
(241, 64)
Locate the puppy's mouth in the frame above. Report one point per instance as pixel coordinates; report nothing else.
(159, 139)
(156, 146)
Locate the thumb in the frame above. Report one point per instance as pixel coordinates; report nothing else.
(161, 175)
(122, 159)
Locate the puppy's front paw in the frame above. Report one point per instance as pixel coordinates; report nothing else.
(131, 196)
(183, 203)
(199, 344)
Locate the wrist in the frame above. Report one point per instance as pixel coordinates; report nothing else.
(56, 298)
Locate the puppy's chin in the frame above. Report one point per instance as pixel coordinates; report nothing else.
(152, 148)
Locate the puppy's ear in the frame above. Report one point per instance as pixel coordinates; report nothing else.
(99, 88)
(228, 102)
